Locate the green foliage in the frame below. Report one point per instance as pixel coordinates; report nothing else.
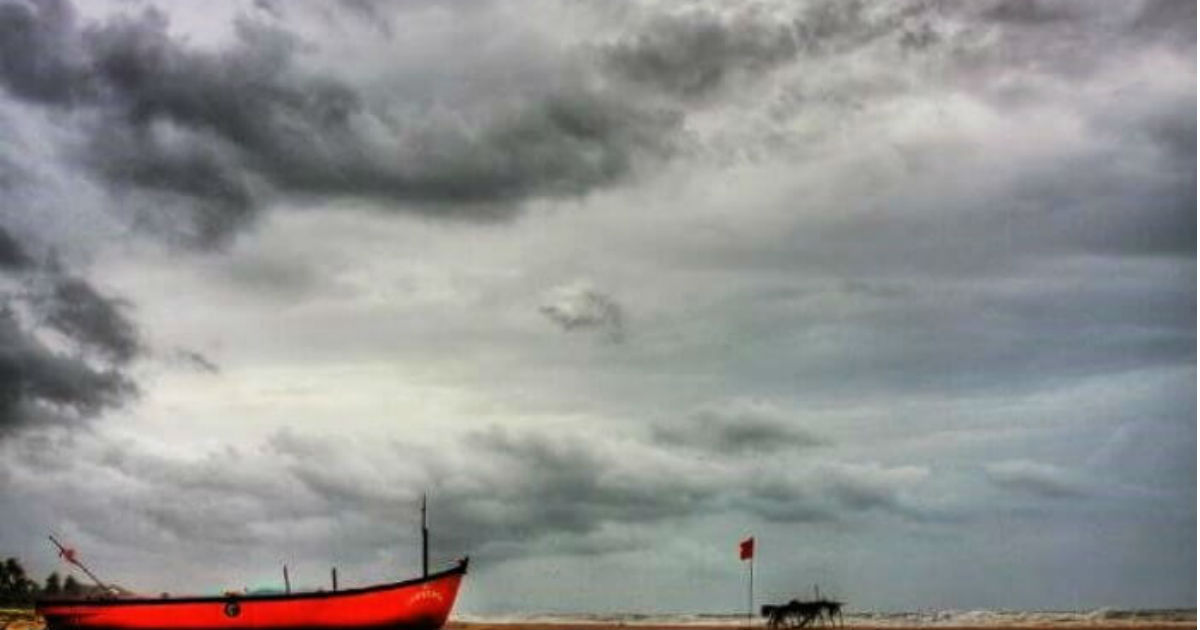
(72, 587)
(16, 589)
(53, 587)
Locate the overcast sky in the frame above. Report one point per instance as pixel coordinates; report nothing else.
(904, 289)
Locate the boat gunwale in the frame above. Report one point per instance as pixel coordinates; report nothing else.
(459, 569)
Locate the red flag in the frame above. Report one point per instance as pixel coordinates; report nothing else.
(68, 554)
(746, 548)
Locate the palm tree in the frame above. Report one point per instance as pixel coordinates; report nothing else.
(71, 587)
(53, 585)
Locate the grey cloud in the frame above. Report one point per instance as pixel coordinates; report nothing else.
(561, 484)
(218, 500)
(193, 140)
(1170, 20)
(184, 192)
(520, 492)
(1038, 479)
(836, 26)
(581, 307)
(215, 501)
(694, 55)
(74, 308)
(526, 493)
(830, 28)
(282, 276)
(195, 360)
(1030, 12)
(781, 501)
(496, 495)
(563, 145)
(832, 492)
(697, 54)
(39, 385)
(997, 339)
(38, 58)
(1070, 40)
(12, 254)
(865, 487)
(737, 429)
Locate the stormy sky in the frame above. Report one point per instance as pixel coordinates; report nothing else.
(906, 290)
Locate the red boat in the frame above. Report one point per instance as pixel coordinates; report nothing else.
(420, 604)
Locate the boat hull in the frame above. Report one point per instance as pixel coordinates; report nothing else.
(422, 604)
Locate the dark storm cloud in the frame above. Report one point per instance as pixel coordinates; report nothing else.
(566, 144)
(193, 142)
(39, 54)
(40, 384)
(204, 135)
(737, 429)
(74, 308)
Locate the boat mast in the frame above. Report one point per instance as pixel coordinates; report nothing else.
(68, 554)
(424, 541)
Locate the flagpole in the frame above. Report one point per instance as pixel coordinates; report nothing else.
(746, 552)
(750, 600)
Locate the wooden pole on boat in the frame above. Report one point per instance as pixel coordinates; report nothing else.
(287, 584)
(69, 555)
(424, 540)
(333, 577)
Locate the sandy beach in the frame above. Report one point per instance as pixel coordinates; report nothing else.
(1167, 622)
(1184, 620)
(1104, 618)
(1100, 625)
